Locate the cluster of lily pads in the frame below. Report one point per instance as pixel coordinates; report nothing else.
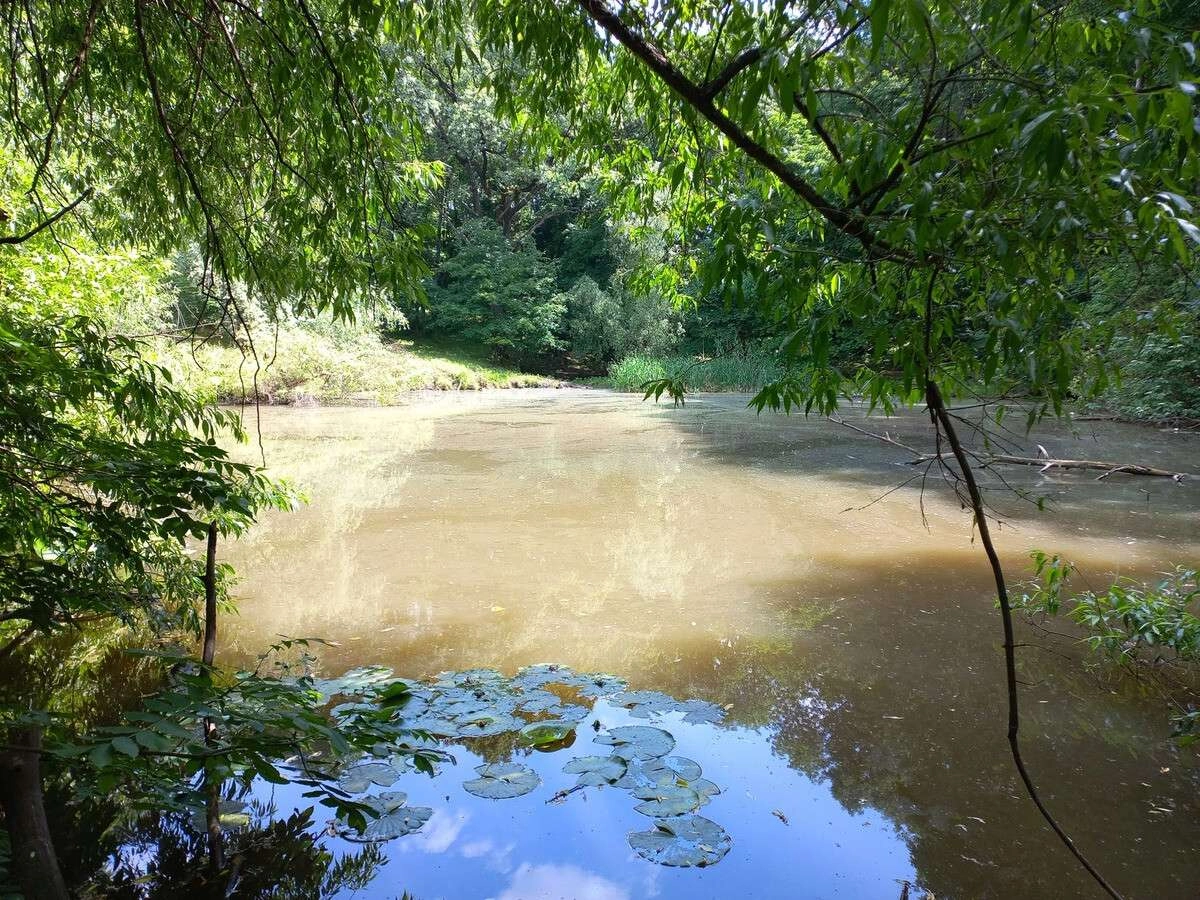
(543, 706)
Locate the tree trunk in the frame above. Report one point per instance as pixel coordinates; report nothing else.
(210, 597)
(212, 821)
(34, 862)
(216, 841)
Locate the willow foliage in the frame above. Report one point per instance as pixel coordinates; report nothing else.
(930, 175)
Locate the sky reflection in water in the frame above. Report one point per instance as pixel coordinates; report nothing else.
(707, 552)
(530, 849)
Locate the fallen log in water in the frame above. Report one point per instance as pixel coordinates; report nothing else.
(1046, 463)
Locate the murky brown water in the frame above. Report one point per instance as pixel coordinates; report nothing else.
(708, 552)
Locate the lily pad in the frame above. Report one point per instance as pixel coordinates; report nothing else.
(705, 788)
(596, 770)
(701, 711)
(356, 682)
(500, 781)
(464, 709)
(570, 712)
(672, 768)
(487, 725)
(402, 821)
(644, 704)
(470, 677)
(682, 841)
(638, 741)
(537, 701)
(435, 725)
(550, 731)
(600, 684)
(543, 673)
(357, 779)
(386, 802)
(392, 818)
(666, 800)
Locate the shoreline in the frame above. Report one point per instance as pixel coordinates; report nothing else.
(406, 398)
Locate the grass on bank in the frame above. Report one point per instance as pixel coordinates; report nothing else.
(743, 372)
(338, 365)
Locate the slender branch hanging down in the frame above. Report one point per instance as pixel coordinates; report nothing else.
(944, 423)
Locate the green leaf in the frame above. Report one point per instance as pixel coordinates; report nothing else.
(125, 745)
(501, 781)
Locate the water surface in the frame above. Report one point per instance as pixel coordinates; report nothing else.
(758, 562)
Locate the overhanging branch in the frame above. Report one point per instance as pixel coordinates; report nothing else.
(46, 223)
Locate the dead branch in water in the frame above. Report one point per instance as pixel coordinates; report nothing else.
(1044, 463)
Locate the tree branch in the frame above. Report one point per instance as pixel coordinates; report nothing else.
(850, 224)
(944, 424)
(46, 223)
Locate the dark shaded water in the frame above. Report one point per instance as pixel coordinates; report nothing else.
(710, 553)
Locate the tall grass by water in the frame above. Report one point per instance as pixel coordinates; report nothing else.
(311, 363)
(733, 372)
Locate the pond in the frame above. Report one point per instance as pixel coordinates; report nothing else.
(757, 563)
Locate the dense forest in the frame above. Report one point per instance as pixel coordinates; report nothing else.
(206, 204)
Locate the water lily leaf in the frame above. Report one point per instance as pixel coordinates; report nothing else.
(638, 741)
(231, 814)
(600, 684)
(543, 673)
(705, 788)
(550, 731)
(402, 821)
(666, 800)
(392, 818)
(537, 701)
(569, 712)
(500, 781)
(434, 725)
(644, 704)
(669, 770)
(356, 682)
(682, 841)
(455, 700)
(357, 779)
(672, 768)
(464, 709)
(486, 725)
(701, 711)
(596, 770)
(635, 776)
(414, 708)
(386, 802)
(469, 677)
